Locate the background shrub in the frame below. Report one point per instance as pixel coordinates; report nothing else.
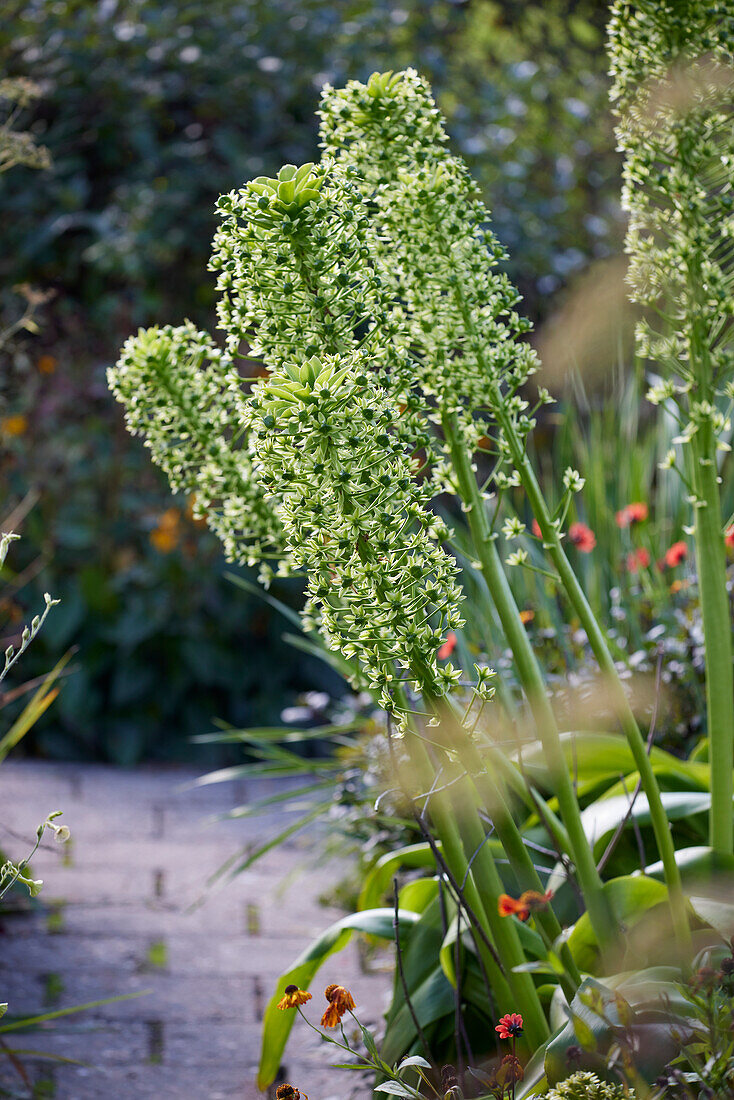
(150, 110)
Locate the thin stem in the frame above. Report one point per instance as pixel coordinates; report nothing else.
(403, 982)
(600, 648)
(533, 684)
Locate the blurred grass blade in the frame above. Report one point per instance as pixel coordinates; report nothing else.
(231, 868)
(40, 701)
(28, 1023)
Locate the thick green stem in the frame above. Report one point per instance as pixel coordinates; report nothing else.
(533, 684)
(600, 648)
(510, 837)
(472, 864)
(711, 562)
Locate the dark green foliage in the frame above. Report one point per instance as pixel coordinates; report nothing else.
(166, 643)
(151, 110)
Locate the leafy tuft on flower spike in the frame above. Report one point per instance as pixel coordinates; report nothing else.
(381, 588)
(294, 266)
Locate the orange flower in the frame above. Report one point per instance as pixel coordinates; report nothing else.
(526, 617)
(582, 537)
(729, 536)
(288, 1092)
(535, 528)
(15, 425)
(523, 906)
(47, 364)
(163, 540)
(340, 1001)
(448, 646)
(675, 554)
(165, 536)
(293, 997)
(638, 559)
(632, 513)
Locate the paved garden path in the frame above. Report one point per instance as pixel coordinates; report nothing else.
(116, 920)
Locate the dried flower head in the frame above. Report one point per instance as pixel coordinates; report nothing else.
(288, 1092)
(340, 1001)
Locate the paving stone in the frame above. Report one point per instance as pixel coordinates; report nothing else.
(126, 910)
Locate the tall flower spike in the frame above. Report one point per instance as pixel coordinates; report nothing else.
(432, 244)
(184, 396)
(380, 586)
(672, 63)
(673, 92)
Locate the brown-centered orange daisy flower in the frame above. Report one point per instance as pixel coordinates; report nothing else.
(293, 997)
(340, 1001)
(288, 1092)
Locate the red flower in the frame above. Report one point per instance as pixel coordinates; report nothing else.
(510, 1026)
(638, 559)
(729, 536)
(675, 554)
(523, 906)
(632, 513)
(582, 537)
(535, 528)
(448, 646)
